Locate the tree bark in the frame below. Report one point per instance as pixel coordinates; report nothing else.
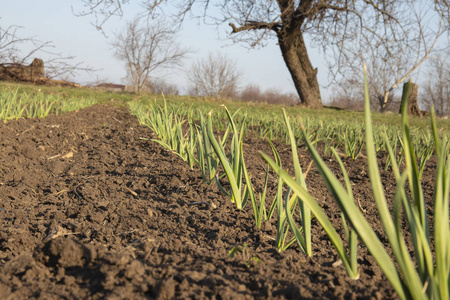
(303, 74)
(413, 107)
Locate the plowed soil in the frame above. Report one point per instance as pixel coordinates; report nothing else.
(91, 209)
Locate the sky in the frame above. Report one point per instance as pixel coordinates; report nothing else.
(54, 20)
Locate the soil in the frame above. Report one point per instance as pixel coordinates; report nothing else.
(90, 208)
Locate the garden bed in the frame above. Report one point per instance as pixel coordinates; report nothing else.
(91, 209)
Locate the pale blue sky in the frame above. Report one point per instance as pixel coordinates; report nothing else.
(53, 20)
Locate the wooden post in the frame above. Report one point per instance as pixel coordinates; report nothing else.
(413, 106)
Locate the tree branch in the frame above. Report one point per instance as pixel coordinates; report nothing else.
(255, 25)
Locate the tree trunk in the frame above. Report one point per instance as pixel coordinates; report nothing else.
(385, 101)
(296, 57)
(413, 107)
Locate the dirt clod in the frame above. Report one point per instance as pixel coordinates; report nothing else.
(64, 253)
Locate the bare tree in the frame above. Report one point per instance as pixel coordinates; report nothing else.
(8, 43)
(348, 94)
(146, 47)
(64, 67)
(437, 88)
(11, 45)
(215, 76)
(56, 64)
(392, 53)
(329, 23)
(11, 42)
(443, 8)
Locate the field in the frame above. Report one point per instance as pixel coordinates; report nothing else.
(92, 207)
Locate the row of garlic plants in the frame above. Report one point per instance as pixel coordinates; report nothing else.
(15, 104)
(422, 275)
(348, 138)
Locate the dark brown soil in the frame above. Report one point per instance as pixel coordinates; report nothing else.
(90, 210)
